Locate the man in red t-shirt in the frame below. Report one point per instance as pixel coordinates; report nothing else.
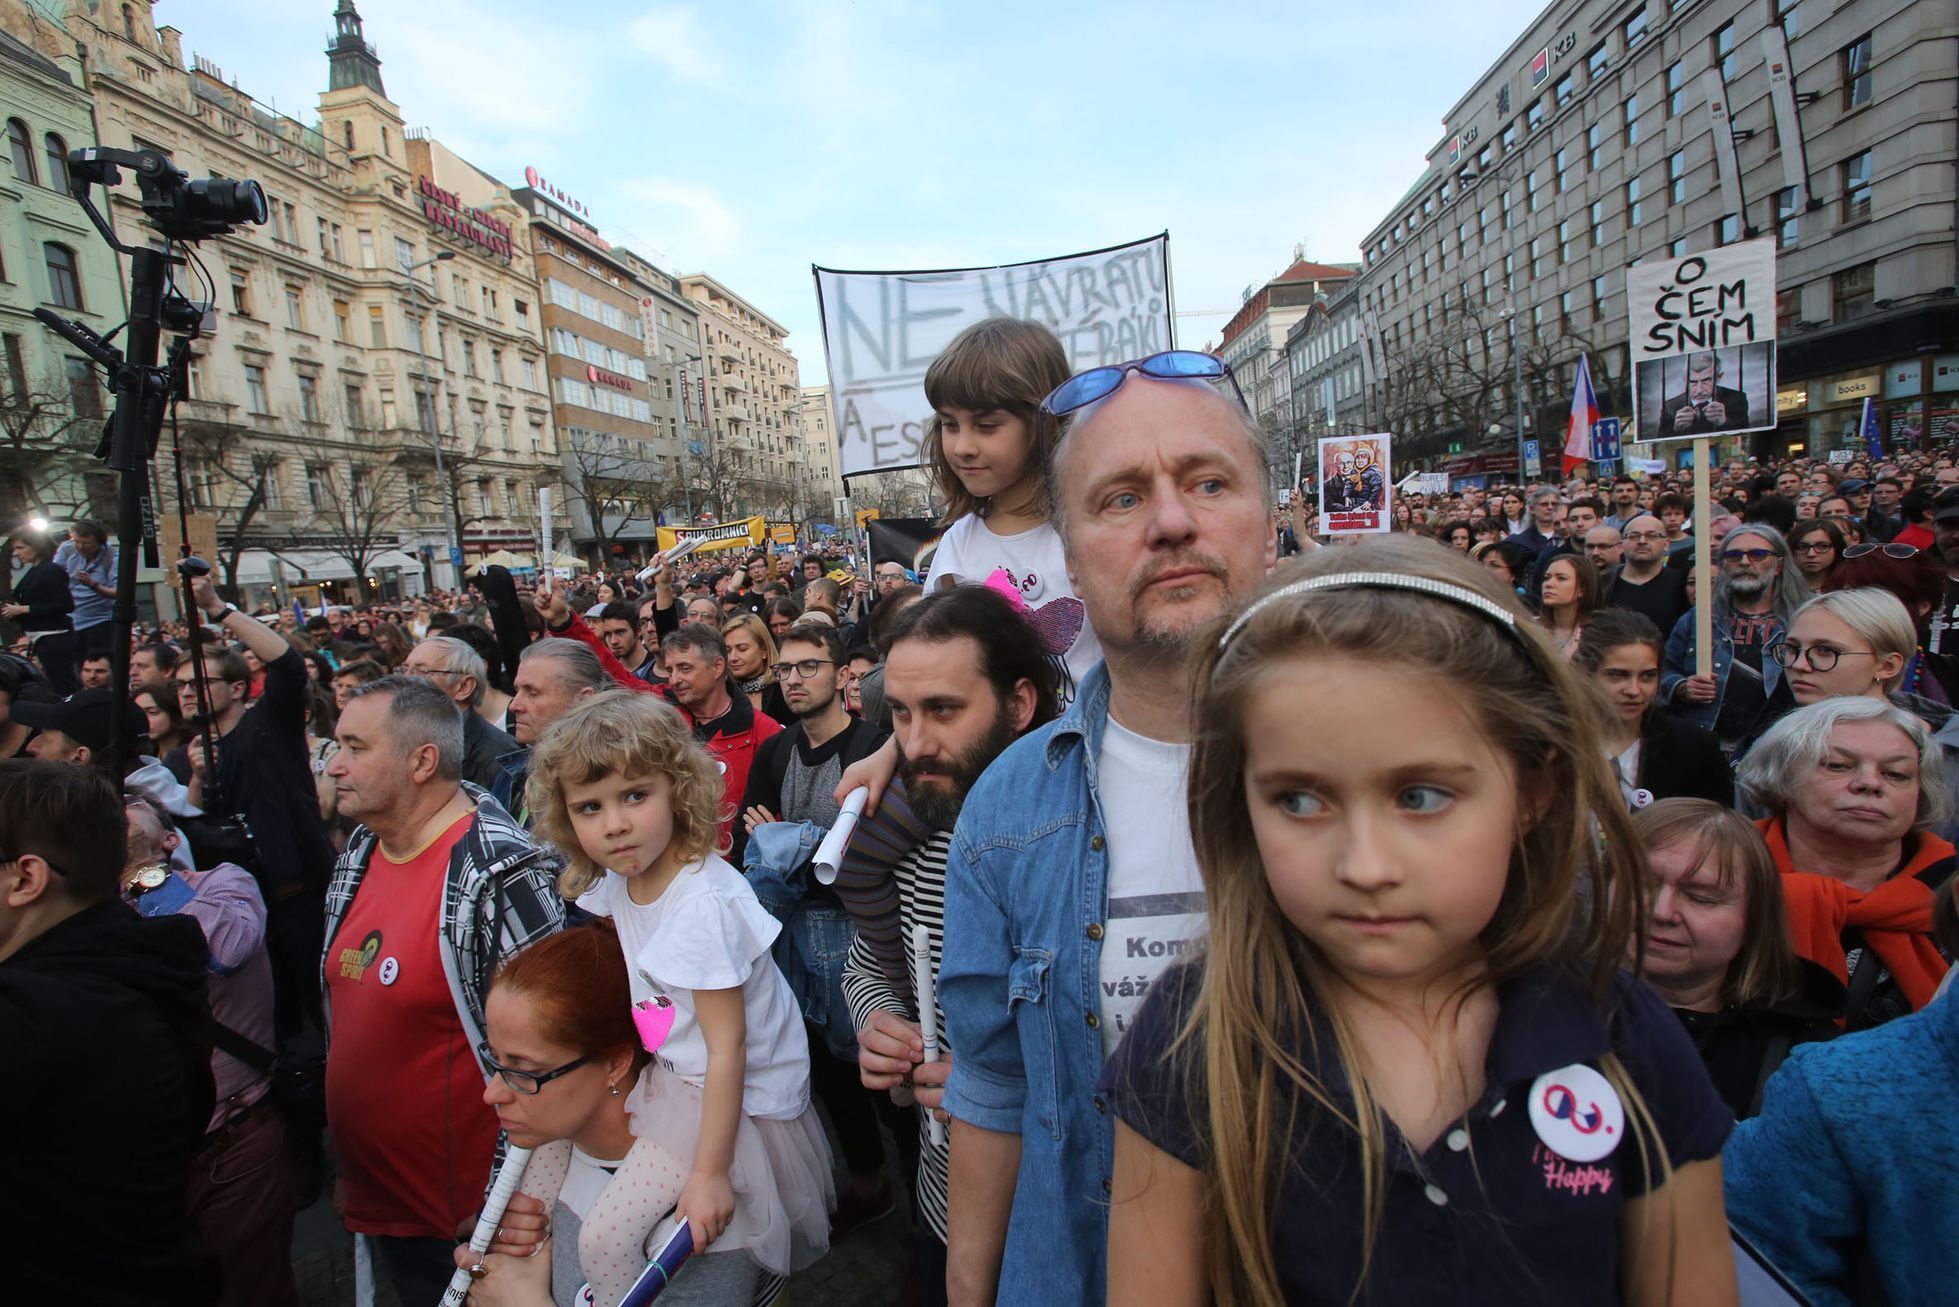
(404, 971)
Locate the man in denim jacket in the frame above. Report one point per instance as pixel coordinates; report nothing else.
(1756, 594)
(1077, 832)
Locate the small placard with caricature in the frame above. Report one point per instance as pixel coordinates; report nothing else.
(1356, 494)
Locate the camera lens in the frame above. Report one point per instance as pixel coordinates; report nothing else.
(223, 199)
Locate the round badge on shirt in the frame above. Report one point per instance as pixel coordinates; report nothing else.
(390, 971)
(1576, 1113)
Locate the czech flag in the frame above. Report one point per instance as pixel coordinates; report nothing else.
(1872, 442)
(1584, 413)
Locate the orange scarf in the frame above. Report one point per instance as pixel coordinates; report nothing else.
(1895, 918)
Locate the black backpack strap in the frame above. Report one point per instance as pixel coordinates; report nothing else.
(1773, 1055)
(254, 1055)
(1862, 984)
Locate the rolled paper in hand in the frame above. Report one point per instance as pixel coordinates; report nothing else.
(545, 532)
(829, 854)
(665, 1253)
(669, 557)
(928, 1016)
(509, 1176)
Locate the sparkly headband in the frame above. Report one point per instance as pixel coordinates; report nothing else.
(1455, 594)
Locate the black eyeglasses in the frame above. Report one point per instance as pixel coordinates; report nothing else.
(1084, 388)
(1892, 550)
(1822, 546)
(804, 668)
(1822, 657)
(526, 1082)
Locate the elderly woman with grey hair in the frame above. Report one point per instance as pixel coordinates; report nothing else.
(1852, 786)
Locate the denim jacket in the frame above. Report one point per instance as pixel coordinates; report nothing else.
(1679, 665)
(1026, 896)
(815, 942)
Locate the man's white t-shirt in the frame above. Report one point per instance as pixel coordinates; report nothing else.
(969, 552)
(1156, 898)
(709, 931)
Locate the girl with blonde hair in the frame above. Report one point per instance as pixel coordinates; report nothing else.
(1405, 1065)
(620, 784)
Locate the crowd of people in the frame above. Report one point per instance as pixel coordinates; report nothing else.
(1217, 889)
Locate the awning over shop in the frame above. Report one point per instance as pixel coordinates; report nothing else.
(395, 558)
(301, 566)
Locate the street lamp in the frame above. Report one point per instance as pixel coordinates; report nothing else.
(447, 491)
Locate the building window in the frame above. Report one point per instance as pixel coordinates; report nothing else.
(366, 241)
(326, 247)
(469, 358)
(1594, 138)
(1630, 116)
(1677, 247)
(1597, 217)
(1534, 116)
(1564, 308)
(1564, 241)
(523, 312)
(1633, 31)
(275, 497)
(1788, 310)
(1856, 72)
(341, 315)
(1536, 256)
(1789, 14)
(1856, 175)
(1632, 205)
(1484, 157)
(356, 409)
(319, 486)
(1677, 177)
(530, 375)
(1596, 61)
(1676, 81)
(83, 393)
(1722, 46)
(1566, 87)
(1851, 292)
(1598, 295)
(65, 276)
(404, 253)
(1788, 217)
(16, 360)
(256, 399)
(377, 325)
(309, 397)
(339, 252)
(1728, 230)
(21, 145)
(241, 294)
(1561, 166)
(1530, 191)
(1506, 210)
(295, 309)
(58, 156)
(1509, 136)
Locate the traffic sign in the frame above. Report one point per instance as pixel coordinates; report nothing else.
(1533, 464)
(1605, 440)
(455, 556)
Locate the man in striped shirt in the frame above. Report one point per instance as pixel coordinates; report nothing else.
(965, 677)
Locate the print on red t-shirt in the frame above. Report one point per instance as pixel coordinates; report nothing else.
(404, 1089)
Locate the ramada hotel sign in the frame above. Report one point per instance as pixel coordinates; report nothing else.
(445, 209)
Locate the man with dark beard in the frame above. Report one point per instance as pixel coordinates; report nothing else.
(965, 677)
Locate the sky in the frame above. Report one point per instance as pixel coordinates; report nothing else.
(751, 139)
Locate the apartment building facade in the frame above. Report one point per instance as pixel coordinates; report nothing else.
(1612, 132)
(750, 461)
(343, 350)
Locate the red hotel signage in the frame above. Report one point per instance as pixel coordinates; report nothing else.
(599, 376)
(535, 180)
(445, 209)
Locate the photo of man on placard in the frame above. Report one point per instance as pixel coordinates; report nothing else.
(1706, 405)
(1706, 392)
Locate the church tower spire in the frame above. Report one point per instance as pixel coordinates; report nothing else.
(351, 60)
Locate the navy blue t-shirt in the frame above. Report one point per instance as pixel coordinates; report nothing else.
(1488, 1213)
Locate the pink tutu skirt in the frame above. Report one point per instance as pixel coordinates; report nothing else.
(780, 1174)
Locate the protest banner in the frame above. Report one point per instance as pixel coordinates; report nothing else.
(743, 534)
(1355, 494)
(881, 331)
(1424, 483)
(1703, 342)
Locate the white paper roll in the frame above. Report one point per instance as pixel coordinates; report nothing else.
(829, 854)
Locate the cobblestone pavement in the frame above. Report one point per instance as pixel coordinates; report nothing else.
(865, 1270)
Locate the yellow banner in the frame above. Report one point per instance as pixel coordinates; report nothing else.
(745, 534)
(784, 534)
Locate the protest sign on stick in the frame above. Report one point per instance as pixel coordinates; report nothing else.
(1703, 342)
(1355, 493)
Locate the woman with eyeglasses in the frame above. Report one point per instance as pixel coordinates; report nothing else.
(1817, 546)
(565, 1052)
(1917, 579)
(751, 662)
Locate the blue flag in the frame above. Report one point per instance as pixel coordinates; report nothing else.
(1871, 440)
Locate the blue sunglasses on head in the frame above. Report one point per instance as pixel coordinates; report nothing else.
(1084, 388)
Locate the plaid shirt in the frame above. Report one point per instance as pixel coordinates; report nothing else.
(501, 894)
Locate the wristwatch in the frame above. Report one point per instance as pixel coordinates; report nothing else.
(223, 613)
(147, 879)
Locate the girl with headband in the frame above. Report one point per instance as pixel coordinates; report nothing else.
(1405, 1067)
